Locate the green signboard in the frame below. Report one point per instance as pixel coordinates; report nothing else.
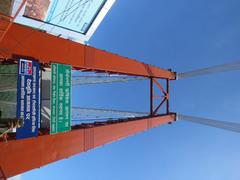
(60, 120)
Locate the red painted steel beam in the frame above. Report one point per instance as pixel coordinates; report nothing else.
(11, 19)
(29, 42)
(2, 176)
(159, 86)
(19, 156)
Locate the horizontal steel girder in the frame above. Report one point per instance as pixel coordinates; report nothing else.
(29, 42)
(19, 156)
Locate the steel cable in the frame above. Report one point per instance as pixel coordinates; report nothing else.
(230, 126)
(233, 66)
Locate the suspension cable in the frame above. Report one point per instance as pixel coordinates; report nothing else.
(230, 126)
(233, 66)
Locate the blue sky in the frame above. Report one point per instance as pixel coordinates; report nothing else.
(182, 35)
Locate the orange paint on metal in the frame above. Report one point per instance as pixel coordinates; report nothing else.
(29, 42)
(24, 155)
(10, 20)
(19, 156)
(159, 86)
(19, 9)
(2, 176)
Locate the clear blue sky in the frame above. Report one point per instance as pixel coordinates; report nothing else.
(182, 35)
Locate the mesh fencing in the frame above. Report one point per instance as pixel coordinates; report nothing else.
(8, 91)
(95, 79)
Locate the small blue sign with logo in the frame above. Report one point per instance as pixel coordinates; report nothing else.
(28, 98)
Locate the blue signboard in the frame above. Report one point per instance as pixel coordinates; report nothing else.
(28, 98)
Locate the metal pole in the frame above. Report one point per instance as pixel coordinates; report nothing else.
(151, 96)
(167, 104)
